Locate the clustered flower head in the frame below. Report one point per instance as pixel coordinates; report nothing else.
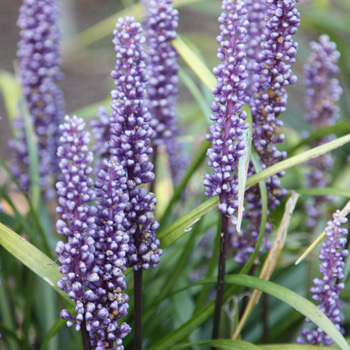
(227, 133)
(130, 142)
(107, 301)
(256, 24)
(39, 60)
(162, 88)
(77, 221)
(271, 70)
(322, 94)
(326, 290)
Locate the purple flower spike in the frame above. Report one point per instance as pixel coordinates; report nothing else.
(39, 60)
(227, 132)
(322, 94)
(77, 217)
(326, 290)
(130, 142)
(160, 28)
(256, 18)
(272, 73)
(107, 301)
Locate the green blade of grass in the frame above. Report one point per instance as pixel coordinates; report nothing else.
(195, 63)
(264, 208)
(299, 303)
(32, 145)
(32, 257)
(338, 129)
(106, 26)
(325, 191)
(196, 93)
(11, 92)
(196, 162)
(300, 158)
(179, 228)
(90, 111)
(221, 344)
(243, 164)
(306, 307)
(292, 347)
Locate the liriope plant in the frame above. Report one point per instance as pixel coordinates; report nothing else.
(212, 258)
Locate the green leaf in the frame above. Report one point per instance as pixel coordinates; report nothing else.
(184, 224)
(264, 208)
(325, 191)
(294, 300)
(221, 344)
(52, 332)
(196, 162)
(243, 164)
(32, 144)
(195, 63)
(300, 158)
(90, 111)
(106, 26)
(179, 228)
(32, 257)
(11, 92)
(196, 93)
(338, 129)
(293, 347)
(289, 297)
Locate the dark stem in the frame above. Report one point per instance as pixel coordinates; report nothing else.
(85, 337)
(138, 309)
(265, 310)
(221, 276)
(154, 157)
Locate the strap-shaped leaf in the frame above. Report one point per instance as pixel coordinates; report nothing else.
(31, 257)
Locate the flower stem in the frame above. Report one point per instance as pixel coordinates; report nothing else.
(138, 309)
(221, 276)
(85, 337)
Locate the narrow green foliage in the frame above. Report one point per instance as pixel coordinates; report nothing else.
(11, 93)
(195, 63)
(31, 257)
(33, 153)
(264, 208)
(243, 164)
(103, 28)
(221, 344)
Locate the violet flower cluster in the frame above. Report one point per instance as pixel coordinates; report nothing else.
(272, 72)
(322, 94)
(77, 218)
(256, 25)
(130, 142)
(326, 290)
(162, 88)
(107, 300)
(39, 60)
(94, 258)
(226, 134)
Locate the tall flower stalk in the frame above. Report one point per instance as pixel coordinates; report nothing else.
(130, 144)
(322, 94)
(226, 134)
(326, 290)
(272, 73)
(39, 61)
(77, 221)
(162, 89)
